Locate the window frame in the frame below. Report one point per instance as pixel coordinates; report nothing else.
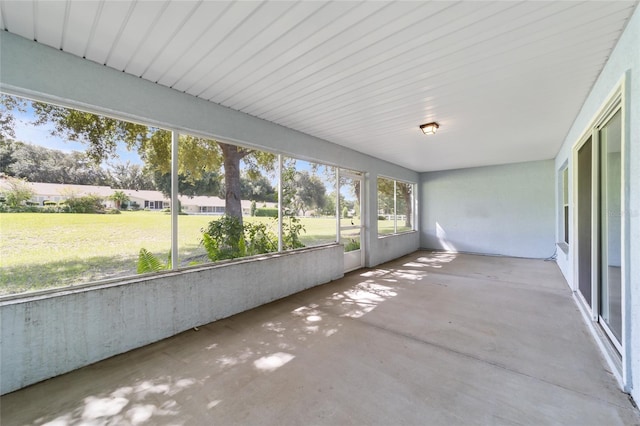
(413, 202)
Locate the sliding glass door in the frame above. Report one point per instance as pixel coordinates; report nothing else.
(610, 282)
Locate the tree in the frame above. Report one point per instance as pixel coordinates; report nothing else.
(197, 156)
(385, 196)
(404, 190)
(7, 148)
(39, 164)
(18, 193)
(8, 104)
(208, 184)
(403, 198)
(130, 176)
(257, 188)
(119, 198)
(302, 191)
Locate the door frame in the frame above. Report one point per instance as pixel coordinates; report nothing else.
(616, 100)
(350, 265)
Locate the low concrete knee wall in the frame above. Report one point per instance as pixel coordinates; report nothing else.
(47, 335)
(392, 247)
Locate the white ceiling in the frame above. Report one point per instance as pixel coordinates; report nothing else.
(504, 79)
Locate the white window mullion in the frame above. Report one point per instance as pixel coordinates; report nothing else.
(175, 204)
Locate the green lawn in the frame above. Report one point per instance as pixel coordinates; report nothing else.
(39, 250)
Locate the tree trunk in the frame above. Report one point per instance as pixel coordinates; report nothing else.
(407, 200)
(232, 156)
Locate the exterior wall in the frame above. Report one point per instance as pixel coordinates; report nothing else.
(502, 210)
(624, 62)
(46, 336)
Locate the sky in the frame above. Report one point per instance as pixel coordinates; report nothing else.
(27, 131)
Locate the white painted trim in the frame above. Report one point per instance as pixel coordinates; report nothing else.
(175, 204)
(616, 100)
(338, 205)
(280, 211)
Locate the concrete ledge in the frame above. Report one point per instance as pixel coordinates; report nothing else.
(46, 335)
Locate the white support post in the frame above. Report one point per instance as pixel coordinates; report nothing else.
(395, 207)
(338, 205)
(175, 203)
(280, 202)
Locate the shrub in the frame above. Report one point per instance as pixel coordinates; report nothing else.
(253, 207)
(382, 217)
(85, 204)
(224, 238)
(291, 234)
(227, 238)
(352, 245)
(112, 211)
(266, 212)
(19, 192)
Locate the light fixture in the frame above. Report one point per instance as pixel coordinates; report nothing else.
(429, 128)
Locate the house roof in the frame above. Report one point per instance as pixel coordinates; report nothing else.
(57, 189)
(505, 80)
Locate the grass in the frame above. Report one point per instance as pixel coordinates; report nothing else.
(39, 251)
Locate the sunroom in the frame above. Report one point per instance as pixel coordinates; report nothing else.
(440, 204)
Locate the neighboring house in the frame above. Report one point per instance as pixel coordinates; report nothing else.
(151, 200)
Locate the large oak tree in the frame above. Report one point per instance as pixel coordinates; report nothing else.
(198, 158)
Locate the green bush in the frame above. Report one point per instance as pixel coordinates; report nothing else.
(352, 245)
(291, 234)
(85, 204)
(112, 211)
(266, 212)
(382, 217)
(227, 238)
(224, 238)
(259, 239)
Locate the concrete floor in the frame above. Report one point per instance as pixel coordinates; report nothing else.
(431, 338)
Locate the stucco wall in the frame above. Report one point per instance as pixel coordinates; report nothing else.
(623, 62)
(505, 210)
(45, 336)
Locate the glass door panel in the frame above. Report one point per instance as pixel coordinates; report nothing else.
(351, 223)
(584, 220)
(610, 288)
